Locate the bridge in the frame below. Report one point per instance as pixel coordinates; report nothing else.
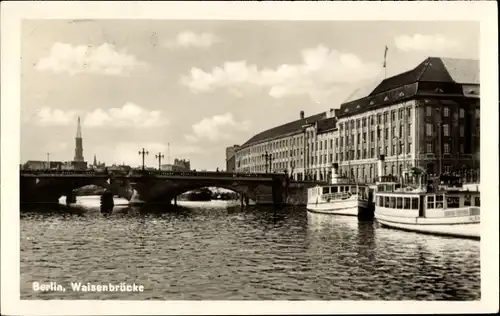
(142, 186)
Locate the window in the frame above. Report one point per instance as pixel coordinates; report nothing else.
(392, 202)
(408, 112)
(428, 129)
(393, 115)
(446, 130)
(372, 136)
(406, 203)
(452, 202)
(399, 202)
(429, 148)
(379, 118)
(387, 202)
(372, 152)
(408, 149)
(394, 150)
(409, 130)
(478, 113)
(446, 148)
(331, 143)
(429, 111)
(467, 200)
(462, 131)
(320, 145)
(364, 153)
(430, 201)
(359, 138)
(414, 203)
(439, 201)
(386, 133)
(400, 130)
(477, 201)
(462, 113)
(364, 122)
(446, 112)
(393, 132)
(378, 133)
(331, 157)
(386, 115)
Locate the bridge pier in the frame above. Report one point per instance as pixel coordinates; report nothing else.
(175, 200)
(70, 197)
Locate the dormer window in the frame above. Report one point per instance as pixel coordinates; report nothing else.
(438, 90)
(346, 110)
(357, 107)
(372, 102)
(386, 98)
(472, 91)
(401, 94)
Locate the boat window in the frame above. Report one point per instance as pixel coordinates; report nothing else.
(380, 201)
(414, 203)
(346, 189)
(399, 202)
(326, 190)
(335, 189)
(452, 202)
(380, 188)
(341, 189)
(406, 203)
(439, 201)
(467, 200)
(353, 190)
(430, 201)
(397, 186)
(386, 201)
(392, 202)
(477, 201)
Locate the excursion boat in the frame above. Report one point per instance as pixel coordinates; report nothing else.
(436, 210)
(341, 196)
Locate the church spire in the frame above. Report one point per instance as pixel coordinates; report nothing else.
(78, 129)
(95, 160)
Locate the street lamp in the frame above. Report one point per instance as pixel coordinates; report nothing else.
(159, 156)
(143, 153)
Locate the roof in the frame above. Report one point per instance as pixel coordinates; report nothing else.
(284, 129)
(449, 72)
(364, 90)
(326, 125)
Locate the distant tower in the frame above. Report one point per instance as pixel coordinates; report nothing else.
(95, 160)
(78, 143)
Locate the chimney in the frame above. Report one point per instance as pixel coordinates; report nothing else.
(301, 115)
(380, 166)
(332, 114)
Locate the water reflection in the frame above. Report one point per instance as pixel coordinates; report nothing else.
(213, 251)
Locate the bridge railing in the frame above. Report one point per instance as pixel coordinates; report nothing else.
(63, 172)
(203, 174)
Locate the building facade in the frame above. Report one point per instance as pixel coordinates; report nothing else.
(231, 158)
(178, 165)
(428, 117)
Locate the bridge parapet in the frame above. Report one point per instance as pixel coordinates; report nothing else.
(213, 174)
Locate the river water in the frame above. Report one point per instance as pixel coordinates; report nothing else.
(220, 251)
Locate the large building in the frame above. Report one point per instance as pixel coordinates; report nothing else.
(178, 165)
(427, 117)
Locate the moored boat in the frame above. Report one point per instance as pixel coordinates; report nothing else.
(431, 209)
(341, 196)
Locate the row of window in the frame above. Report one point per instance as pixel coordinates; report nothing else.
(446, 148)
(447, 112)
(446, 130)
(385, 116)
(404, 203)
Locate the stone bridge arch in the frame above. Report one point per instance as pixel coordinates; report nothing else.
(50, 189)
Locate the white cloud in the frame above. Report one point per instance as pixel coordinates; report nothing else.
(48, 116)
(188, 39)
(129, 115)
(322, 71)
(103, 59)
(218, 127)
(419, 42)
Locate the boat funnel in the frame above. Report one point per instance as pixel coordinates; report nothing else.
(380, 166)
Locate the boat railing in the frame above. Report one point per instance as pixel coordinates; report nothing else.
(468, 211)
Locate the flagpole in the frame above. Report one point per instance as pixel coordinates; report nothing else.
(385, 62)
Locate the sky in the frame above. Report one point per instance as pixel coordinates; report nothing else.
(188, 89)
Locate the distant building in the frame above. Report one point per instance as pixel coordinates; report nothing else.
(231, 158)
(178, 165)
(97, 165)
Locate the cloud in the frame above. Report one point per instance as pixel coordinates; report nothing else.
(129, 115)
(419, 42)
(216, 128)
(48, 116)
(321, 71)
(188, 39)
(103, 59)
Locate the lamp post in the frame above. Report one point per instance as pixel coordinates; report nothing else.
(159, 156)
(266, 157)
(143, 153)
(48, 161)
(269, 158)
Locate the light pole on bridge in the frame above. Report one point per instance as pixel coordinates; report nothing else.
(143, 153)
(159, 156)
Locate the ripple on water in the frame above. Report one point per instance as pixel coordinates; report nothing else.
(217, 253)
